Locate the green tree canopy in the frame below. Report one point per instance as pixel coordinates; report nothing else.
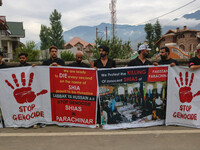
(52, 35)
(118, 48)
(45, 37)
(30, 49)
(56, 37)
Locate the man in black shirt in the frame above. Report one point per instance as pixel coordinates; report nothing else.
(104, 61)
(141, 60)
(165, 58)
(2, 64)
(22, 59)
(54, 60)
(78, 62)
(194, 62)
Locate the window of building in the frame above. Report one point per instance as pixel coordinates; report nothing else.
(193, 35)
(182, 47)
(181, 36)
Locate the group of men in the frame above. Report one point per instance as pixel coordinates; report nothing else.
(105, 62)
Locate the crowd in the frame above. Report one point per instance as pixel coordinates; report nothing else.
(105, 62)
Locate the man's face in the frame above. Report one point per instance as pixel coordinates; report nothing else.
(79, 58)
(53, 53)
(22, 59)
(163, 54)
(145, 53)
(102, 52)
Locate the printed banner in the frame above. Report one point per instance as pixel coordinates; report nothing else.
(25, 96)
(73, 95)
(50, 95)
(132, 97)
(183, 98)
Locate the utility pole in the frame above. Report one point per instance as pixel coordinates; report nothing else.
(113, 17)
(96, 33)
(106, 33)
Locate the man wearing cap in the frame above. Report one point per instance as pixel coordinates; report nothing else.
(165, 58)
(2, 64)
(194, 62)
(141, 60)
(104, 61)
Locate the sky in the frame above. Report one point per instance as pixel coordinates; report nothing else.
(33, 13)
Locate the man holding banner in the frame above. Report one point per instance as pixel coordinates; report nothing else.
(165, 58)
(141, 60)
(104, 61)
(194, 62)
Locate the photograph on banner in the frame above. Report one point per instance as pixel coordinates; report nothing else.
(73, 96)
(24, 99)
(132, 96)
(183, 98)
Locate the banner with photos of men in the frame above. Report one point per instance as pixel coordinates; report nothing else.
(132, 97)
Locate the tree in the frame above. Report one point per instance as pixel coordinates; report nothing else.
(56, 37)
(153, 34)
(149, 29)
(52, 35)
(118, 48)
(30, 49)
(157, 31)
(45, 37)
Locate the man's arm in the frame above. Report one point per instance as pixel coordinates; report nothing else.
(194, 67)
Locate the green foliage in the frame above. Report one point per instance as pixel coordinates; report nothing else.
(56, 37)
(157, 31)
(30, 49)
(45, 37)
(67, 56)
(118, 48)
(52, 35)
(149, 29)
(153, 34)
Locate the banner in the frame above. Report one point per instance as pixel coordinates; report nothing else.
(183, 98)
(132, 97)
(73, 95)
(49, 95)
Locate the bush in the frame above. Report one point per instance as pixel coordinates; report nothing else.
(67, 56)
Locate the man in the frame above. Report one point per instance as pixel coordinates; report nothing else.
(78, 62)
(54, 60)
(141, 60)
(194, 62)
(2, 64)
(22, 59)
(165, 58)
(104, 61)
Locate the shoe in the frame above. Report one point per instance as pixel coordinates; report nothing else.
(42, 125)
(35, 126)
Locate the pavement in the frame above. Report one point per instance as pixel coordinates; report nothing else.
(74, 138)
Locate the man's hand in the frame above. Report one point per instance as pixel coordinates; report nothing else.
(172, 64)
(155, 64)
(54, 64)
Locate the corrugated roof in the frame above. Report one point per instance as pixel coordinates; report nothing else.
(3, 25)
(16, 29)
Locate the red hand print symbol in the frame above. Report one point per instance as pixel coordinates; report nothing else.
(185, 93)
(24, 94)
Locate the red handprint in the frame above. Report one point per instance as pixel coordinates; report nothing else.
(24, 94)
(185, 93)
